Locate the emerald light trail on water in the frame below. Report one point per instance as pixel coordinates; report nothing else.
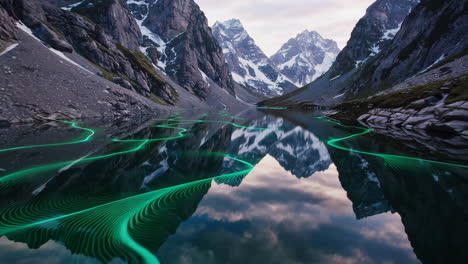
(116, 219)
(8, 180)
(114, 222)
(89, 134)
(335, 143)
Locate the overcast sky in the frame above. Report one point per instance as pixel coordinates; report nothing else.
(272, 22)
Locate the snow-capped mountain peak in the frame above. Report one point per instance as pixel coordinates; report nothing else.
(248, 63)
(306, 57)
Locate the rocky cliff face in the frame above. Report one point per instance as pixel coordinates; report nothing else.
(115, 19)
(434, 32)
(62, 3)
(435, 101)
(306, 57)
(372, 33)
(249, 65)
(176, 33)
(110, 50)
(7, 29)
(126, 67)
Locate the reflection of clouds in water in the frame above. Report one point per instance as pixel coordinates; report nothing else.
(310, 202)
(273, 217)
(50, 253)
(390, 232)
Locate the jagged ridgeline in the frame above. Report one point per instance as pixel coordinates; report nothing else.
(249, 65)
(152, 47)
(176, 32)
(114, 40)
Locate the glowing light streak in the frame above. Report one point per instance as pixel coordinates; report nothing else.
(335, 143)
(90, 133)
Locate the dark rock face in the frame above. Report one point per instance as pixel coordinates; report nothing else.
(115, 59)
(189, 52)
(249, 65)
(306, 57)
(31, 14)
(372, 33)
(91, 40)
(414, 50)
(62, 3)
(36, 85)
(115, 19)
(7, 29)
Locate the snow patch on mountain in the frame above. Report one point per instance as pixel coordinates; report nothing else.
(248, 63)
(306, 57)
(146, 32)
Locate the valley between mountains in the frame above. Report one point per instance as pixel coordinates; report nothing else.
(404, 66)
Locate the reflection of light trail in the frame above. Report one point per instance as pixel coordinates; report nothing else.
(115, 220)
(112, 223)
(334, 143)
(90, 133)
(173, 123)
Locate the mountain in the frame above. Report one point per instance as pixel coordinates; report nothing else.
(306, 57)
(413, 51)
(372, 34)
(87, 59)
(248, 63)
(177, 36)
(297, 150)
(115, 20)
(419, 82)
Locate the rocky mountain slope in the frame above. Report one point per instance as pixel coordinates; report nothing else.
(372, 34)
(306, 57)
(177, 37)
(436, 101)
(429, 68)
(419, 82)
(248, 63)
(104, 41)
(414, 51)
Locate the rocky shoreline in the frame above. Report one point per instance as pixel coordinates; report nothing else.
(445, 118)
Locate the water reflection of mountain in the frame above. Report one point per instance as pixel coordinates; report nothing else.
(297, 150)
(164, 164)
(430, 200)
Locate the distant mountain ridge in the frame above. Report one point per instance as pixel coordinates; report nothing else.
(248, 63)
(306, 57)
(373, 33)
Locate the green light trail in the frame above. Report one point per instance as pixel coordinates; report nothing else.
(335, 143)
(110, 227)
(10, 179)
(90, 133)
(112, 222)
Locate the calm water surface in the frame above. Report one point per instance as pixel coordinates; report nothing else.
(281, 187)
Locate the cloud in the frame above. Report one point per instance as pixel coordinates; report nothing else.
(272, 22)
(262, 222)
